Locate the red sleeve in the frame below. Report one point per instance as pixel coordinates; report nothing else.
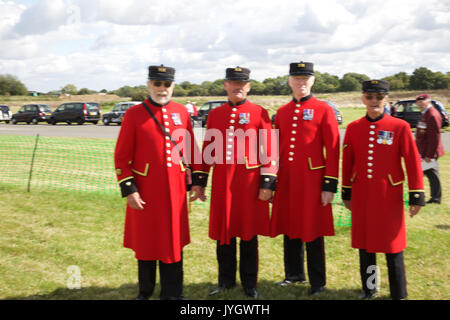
(347, 165)
(330, 133)
(433, 131)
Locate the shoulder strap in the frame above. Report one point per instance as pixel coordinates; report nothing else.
(164, 131)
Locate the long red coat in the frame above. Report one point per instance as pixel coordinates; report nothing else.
(428, 134)
(306, 129)
(144, 156)
(235, 209)
(373, 175)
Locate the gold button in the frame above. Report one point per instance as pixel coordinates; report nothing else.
(416, 195)
(266, 179)
(128, 184)
(327, 181)
(118, 171)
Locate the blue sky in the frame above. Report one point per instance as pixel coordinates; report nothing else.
(110, 43)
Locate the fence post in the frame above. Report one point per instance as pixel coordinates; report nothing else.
(32, 162)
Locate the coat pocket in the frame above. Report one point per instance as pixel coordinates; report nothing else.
(143, 171)
(314, 165)
(396, 181)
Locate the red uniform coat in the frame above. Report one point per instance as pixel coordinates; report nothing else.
(235, 209)
(307, 129)
(428, 134)
(146, 161)
(373, 176)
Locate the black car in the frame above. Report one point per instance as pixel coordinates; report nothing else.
(32, 113)
(5, 113)
(409, 111)
(79, 112)
(202, 115)
(117, 113)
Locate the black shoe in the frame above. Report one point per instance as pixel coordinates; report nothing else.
(251, 292)
(315, 291)
(434, 201)
(286, 282)
(220, 289)
(368, 294)
(142, 297)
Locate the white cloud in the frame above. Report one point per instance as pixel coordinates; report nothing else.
(107, 44)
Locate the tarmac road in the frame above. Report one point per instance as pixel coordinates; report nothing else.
(102, 132)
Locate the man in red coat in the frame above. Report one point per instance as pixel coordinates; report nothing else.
(429, 144)
(152, 178)
(372, 188)
(242, 182)
(307, 179)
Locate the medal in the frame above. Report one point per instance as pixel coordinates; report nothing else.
(244, 118)
(176, 119)
(385, 137)
(308, 114)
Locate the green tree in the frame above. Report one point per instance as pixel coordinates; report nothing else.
(349, 83)
(325, 82)
(216, 89)
(422, 79)
(69, 89)
(10, 85)
(257, 88)
(178, 91)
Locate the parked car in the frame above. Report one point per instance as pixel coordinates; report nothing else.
(78, 112)
(332, 105)
(203, 112)
(117, 113)
(409, 111)
(32, 113)
(336, 112)
(5, 113)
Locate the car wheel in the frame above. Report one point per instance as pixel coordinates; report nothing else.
(95, 122)
(35, 121)
(14, 121)
(80, 121)
(69, 123)
(52, 122)
(7, 121)
(105, 121)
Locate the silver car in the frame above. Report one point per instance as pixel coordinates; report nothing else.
(5, 113)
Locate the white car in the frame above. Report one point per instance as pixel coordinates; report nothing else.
(5, 113)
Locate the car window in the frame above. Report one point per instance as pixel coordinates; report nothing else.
(125, 107)
(61, 108)
(216, 104)
(30, 108)
(45, 108)
(22, 109)
(412, 107)
(92, 106)
(205, 107)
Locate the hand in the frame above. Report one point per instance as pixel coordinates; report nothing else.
(197, 192)
(427, 160)
(265, 194)
(347, 204)
(413, 210)
(327, 197)
(135, 201)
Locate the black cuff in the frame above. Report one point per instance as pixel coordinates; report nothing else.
(268, 182)
(417, 198)
(346, 193)
(199, 179)
(329, 184)
(128, 187)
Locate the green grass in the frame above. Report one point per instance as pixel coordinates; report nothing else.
(42, 233)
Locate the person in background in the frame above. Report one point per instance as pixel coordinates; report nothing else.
(429, 143)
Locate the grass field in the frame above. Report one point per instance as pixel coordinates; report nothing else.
(44, 232)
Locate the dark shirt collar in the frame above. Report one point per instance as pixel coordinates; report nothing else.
(156, 104)
(306, 98)
(237, 104)
(376, 119)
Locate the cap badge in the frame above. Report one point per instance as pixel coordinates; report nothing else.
(374, 82)
(238, 69)
(301, 65)
(161, 69)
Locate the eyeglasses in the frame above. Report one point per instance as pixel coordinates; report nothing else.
(159, 83)
(379, 97)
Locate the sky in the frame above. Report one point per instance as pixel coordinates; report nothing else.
(107, 44)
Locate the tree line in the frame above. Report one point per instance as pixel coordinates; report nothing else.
(421, 79)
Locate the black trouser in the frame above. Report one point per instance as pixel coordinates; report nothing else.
(396, 271)
(435, 184)
(248, 265)
(294, 257)
(171, 278)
